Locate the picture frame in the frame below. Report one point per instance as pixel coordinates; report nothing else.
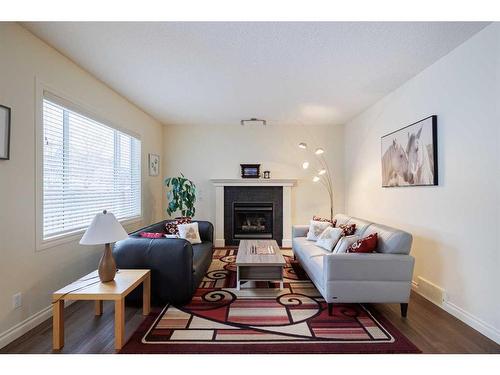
(5, 117)
(250, 170)
(154, 164)
(409, 156)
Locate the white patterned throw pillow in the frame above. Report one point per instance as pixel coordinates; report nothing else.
(344, 244)
(189, 232)
(316, 228)
(329, 238)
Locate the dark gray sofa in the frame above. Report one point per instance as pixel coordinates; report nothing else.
(177, 267)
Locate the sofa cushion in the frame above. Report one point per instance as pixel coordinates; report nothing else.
(364, 245)
(316, 228)
(341, 219)
(171, 225)
(318, 218)
(361, 225)
(306, 249)
(152, 235)
(344, 244)
(189, 232)
(329, 238)
(348, 229)
(390, 240)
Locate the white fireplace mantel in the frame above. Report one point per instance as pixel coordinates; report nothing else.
(286, 183)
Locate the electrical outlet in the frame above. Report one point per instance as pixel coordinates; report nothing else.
(17, 300)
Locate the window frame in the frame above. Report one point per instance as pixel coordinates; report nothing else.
(44, 91)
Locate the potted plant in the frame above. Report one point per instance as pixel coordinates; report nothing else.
(181, 196)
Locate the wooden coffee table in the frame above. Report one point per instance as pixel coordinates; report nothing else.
(91, 288)
(256, 267)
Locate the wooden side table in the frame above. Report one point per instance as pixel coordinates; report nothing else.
(90, 288)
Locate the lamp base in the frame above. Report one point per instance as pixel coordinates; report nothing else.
(107, 265)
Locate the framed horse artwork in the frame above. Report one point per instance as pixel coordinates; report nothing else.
(409, 155)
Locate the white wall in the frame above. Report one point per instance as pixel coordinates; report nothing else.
(36, 274)
(204, 152)
(456, 224)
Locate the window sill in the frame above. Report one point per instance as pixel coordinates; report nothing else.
(77, 235)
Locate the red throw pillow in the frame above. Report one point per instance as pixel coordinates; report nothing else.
(183, 220)
(318, 218)
(151, 235)
(348, 229)
(171, 226)
(364, 245)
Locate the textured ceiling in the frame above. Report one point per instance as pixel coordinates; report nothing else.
(220, 73)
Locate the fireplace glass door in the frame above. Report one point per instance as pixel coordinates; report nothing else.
(252, 220)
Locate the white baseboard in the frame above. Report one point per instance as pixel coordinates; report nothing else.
(26, 325)
(473, 321)
(466, 317)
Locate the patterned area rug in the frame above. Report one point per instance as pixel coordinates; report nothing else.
(261, 318)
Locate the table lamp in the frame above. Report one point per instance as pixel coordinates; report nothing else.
(104, 229)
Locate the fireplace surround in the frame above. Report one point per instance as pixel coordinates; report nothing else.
(258, 194)
(252, 220)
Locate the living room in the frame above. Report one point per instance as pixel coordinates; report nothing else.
(249, 187)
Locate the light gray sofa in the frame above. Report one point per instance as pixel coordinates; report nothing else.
(381, 277)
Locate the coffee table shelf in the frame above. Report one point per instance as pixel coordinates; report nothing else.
(256, 267)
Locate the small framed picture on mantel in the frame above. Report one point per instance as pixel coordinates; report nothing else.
(250, 170)
(4, 132)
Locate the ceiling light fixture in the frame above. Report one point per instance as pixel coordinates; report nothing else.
(253, 119)
(303, 145)
(305, 165)
(321, 172)
(315, 179)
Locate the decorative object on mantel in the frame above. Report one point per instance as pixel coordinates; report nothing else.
(154, 164)
(182, 196)
(250, 170)
(253, 120)
(409, 155)
(103, 230)
(4, 132)
(322, 173)
(267, 175)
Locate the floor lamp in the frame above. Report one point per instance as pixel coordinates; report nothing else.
(322, 174)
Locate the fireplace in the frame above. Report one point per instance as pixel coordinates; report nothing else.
(252, 220)
(252, 212)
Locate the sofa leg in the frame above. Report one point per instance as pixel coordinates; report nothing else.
(330, 309)
(404, 310)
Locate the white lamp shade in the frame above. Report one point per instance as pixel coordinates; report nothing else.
(103, 229)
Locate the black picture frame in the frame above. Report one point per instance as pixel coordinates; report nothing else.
(430, 123)
(5, 155)
(250, 170)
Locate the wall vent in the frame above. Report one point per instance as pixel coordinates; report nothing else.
(429, 290)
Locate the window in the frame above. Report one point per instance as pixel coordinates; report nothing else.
(87, 167)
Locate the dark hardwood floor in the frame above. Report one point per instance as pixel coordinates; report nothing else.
(430, 328)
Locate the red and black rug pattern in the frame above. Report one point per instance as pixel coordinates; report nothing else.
(262, 318)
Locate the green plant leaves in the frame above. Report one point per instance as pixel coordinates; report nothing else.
(181, 196)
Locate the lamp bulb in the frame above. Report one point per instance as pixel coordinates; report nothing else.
(319, 151)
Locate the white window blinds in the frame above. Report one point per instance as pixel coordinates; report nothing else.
(87, 167)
